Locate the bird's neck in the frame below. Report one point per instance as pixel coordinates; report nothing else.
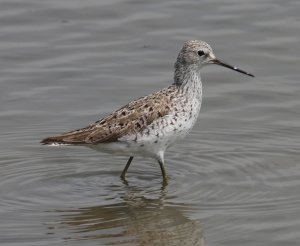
(188, 79)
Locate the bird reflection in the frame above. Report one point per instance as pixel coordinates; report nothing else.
(136, 221)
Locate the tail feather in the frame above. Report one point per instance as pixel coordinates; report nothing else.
(68, 138)
(54, 140)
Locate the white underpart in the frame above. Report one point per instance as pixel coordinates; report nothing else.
(158, 136)
(58, 144)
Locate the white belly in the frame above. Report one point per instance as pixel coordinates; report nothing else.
(157, 137)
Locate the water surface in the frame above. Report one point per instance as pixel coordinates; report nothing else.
(234, 181)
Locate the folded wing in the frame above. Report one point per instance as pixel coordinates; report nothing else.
(130, 119)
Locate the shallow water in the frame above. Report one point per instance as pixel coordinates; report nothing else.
(235, 180)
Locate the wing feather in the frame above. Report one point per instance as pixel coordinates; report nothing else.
(130, 119)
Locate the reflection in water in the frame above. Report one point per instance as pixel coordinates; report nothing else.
(136, 221)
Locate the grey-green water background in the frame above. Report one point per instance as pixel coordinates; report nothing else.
(234, 181)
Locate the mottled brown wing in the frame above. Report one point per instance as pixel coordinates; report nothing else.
(132, 118)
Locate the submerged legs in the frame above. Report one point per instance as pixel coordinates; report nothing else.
(163, 171)
(160, 160)
(126, 167)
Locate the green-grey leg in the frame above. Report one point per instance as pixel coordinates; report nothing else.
(126, 167)
(163, 171)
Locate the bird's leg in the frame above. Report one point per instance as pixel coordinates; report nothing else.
(160, 159)
(163, 171)
(126, 167)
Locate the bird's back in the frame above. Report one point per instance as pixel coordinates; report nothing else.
(129, 120)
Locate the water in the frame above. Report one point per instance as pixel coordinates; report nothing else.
(234, 181)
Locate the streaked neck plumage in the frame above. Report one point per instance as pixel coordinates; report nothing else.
(187, 78)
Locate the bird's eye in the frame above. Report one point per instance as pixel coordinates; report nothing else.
(201, 53)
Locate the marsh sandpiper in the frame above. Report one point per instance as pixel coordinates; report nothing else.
(149, 125)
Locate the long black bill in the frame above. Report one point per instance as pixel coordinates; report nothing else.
(221, 63)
